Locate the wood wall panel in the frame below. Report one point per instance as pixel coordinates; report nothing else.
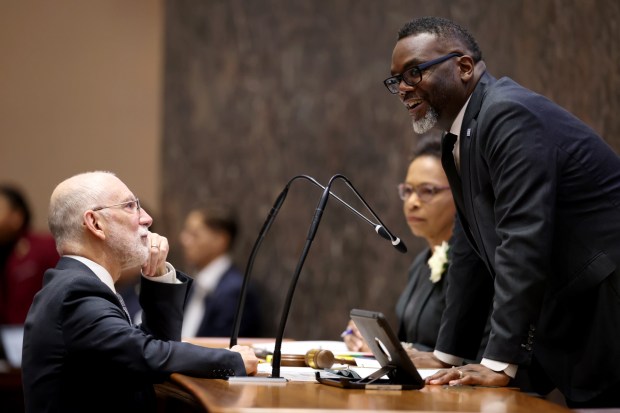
(259, 91)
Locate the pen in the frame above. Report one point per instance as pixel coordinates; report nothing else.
(346, 332)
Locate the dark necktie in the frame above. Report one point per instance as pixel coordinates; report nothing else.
(449, 166)
(120, 298)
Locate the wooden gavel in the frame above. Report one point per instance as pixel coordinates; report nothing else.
(315, 358)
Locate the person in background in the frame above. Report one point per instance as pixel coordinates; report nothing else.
(207, 239)
(81, 351)
(429, 210)
(538, 198)
(24, 256)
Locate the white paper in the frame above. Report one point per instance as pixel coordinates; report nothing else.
(302, 347)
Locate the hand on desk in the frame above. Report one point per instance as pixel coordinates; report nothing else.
(249, 359)
(425, 359)
(470, 374)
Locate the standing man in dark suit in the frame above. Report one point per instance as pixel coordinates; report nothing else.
(81, 351)
(538, 201)
(208, 238)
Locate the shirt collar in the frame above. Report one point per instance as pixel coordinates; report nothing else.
(99, 271)
(208, 278)
(458, 122)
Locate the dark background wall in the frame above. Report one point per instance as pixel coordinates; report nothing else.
(256, 92)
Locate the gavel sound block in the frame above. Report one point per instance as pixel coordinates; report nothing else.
(315, 358)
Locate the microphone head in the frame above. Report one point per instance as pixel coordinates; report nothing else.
(396, 242)
(399, 245)
(383, 232)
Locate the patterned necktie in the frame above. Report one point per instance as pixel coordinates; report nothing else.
(447, 161)
(120, 298)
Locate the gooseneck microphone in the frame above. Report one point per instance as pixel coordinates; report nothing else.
(314, 226)
(248, 269)
(380, 228)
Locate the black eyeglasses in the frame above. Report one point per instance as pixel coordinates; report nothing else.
(425, 192)
(133, 206)
(413, 76)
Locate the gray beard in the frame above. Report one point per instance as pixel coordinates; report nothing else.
(425, 124)
(129, 251)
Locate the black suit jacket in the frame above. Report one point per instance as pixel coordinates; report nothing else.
(221, 307)
(422, 303)
(540, 208)
(420, 306)
(82, 354)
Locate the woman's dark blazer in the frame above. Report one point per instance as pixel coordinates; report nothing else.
(420, 306)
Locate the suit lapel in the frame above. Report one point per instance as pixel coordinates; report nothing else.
(423, 294)
(468, 154)
(414, 271)
(447, 161)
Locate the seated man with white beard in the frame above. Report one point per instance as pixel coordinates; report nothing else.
(81, 351)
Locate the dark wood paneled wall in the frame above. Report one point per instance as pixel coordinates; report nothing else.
(259, 91)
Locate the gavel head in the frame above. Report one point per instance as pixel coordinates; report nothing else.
(315, 358)
(320, 359)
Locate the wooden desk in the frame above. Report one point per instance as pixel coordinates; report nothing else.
(218, 396)
(223, 342)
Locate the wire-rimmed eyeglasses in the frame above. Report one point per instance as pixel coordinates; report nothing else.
(132, 205)
(413, 76)
(425, 192)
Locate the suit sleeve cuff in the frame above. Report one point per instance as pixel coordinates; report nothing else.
(509, 369)
(448, 358)
(168, 278)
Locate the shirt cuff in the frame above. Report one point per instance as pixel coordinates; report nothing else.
(448, 358)
(509, 369)
(169, 277)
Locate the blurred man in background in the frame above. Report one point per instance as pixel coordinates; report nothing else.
(207, 239)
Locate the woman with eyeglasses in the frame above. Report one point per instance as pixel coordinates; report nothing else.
(429, 209)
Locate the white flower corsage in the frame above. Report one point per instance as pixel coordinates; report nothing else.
(438, 261)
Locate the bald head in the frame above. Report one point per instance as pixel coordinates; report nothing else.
(70, 200)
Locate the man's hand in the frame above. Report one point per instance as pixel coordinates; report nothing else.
(155, 264)
(249, 359)
(425, 360)
(354, 339)
(470, 374)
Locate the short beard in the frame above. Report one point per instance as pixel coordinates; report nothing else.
(130, 252)
(421, 126)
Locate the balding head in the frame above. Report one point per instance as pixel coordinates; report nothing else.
(70, 200)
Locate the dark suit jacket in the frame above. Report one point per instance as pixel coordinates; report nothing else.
(420, 306)
(540, 207)
(221, 307)
(422, 303)
(82, 354)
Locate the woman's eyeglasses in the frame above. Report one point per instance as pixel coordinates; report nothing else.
(425, 192)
